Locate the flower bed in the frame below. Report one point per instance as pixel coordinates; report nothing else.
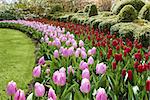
(84, 64)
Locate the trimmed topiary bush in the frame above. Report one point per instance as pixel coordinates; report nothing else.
(127, 14)
(108, 22)
(137, 4)
(145, 12)
(93, 10)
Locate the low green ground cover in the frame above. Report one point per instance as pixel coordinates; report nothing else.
(16, 59)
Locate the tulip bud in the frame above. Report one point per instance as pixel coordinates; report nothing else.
(36, 71)
(51, 94)
(83, 54)
(101, 68)
(118, 57)
(70, 70)
(86, 73)
(123, 72)
(114, 65)
(11, 88)
(101, 94)
(41, 61)
(85, 86)
(56, 54)
(90, 60)
(19, 95)
(83, 65)
(81, 43)
(59, 77)
(93, 50)
(148, 85)
(130, 74)
(39, 89)
(89, 52)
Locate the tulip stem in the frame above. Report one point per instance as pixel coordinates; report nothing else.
(11, 98)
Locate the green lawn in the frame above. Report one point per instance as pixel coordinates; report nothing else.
(16, 59)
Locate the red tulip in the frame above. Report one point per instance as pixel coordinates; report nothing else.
(115, 43)
(118, 57)
(138, 56)
(140, 68)
(123, 72)
(114, 65)
(148, 85)
(136, 64)
(130, 75)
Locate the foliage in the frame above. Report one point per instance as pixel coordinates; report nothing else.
(145, 12)
(127, 14)
(137, 4)
(93, 10)
(87, 8)
(134, 31)
(55, 8)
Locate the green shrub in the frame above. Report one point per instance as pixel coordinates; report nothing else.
(86, 9)
(133, 31)
(108, 22)
(95, 23)
(145, 12)
(56, 8)
(137, 4)
(93, 10)
(80, 11)
(125, 30)
(127, 14)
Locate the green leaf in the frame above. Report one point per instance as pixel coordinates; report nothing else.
(67, 97)
(30, 97)
(78, 95)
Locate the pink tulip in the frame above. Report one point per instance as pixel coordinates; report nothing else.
(19, 95)
(90, 60)
(86, 73)
(36, 71)
(83, 65)
(65, 52)
(83, 54)
(70, 70)
(76, 53)
(41, 61)
(59, 77)
(101, 94)
(101, 68)
(93, 50)
(68, 43)
(71, 51)
(85, 86)
(74, 44)
(57, 42)
(63, 70)
(51, 94)
(56, 54)
(39, 89)
(83, 49)
(81, 43)
(11, 88)
(90, 52)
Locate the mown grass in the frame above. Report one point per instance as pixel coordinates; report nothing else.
(16, 59)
